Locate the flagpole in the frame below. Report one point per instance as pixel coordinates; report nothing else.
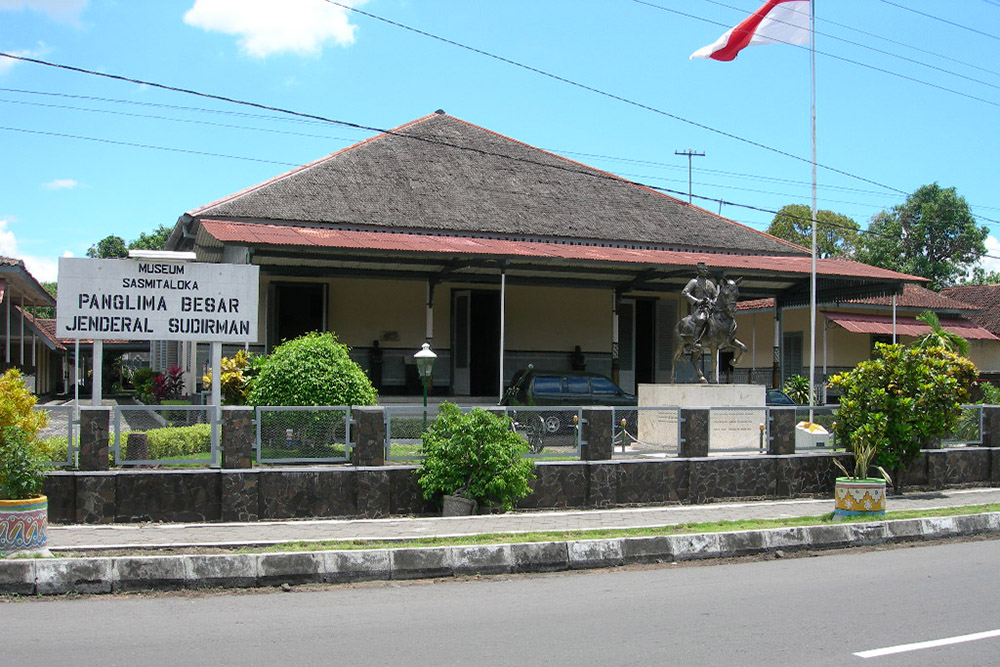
(812, 287)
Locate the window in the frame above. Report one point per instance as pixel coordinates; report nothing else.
(547, 384)
(577, 385)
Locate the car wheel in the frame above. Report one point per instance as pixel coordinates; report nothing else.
(553, 423)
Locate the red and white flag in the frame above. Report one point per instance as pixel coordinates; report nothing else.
(776, 22)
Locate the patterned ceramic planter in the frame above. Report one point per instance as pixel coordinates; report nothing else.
(23, 524)
(859, 498)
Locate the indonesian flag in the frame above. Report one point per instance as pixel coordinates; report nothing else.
(776, 22)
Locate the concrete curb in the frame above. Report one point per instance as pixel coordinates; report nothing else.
(58, 576)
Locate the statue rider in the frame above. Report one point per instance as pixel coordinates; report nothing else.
(701, 293)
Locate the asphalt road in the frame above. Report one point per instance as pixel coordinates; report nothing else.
(796, 611)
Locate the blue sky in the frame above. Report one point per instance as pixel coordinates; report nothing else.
(65, 183)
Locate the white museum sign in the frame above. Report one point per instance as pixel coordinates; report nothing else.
(154, 299)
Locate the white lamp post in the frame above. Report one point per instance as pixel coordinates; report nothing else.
(425, 368)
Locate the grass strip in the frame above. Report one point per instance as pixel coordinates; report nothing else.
(605, 533)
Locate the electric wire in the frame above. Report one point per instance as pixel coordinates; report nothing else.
(613, 96)
(833, 56)
(942, 20)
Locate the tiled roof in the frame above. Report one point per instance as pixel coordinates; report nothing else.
(319, 237)
(913, 297)
(985, 298)
(443, 175)
(867, 323)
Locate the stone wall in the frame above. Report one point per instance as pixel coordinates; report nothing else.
(261, 494)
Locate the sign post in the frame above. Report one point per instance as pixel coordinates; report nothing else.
(158, 299)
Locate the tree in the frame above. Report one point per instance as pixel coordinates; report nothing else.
(981, 276)
(45, 312)
(153, 241)
(109, 247)
(902, 400)
(933, 234)
(939, 337)
(836, 234)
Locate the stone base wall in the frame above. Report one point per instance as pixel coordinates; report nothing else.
(124, 496)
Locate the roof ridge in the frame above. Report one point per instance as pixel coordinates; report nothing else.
(310, 165)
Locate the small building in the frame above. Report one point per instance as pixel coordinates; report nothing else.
(985, 303)
(497, 253)
(26, 344)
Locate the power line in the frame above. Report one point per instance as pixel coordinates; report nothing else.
(938, 18)
(149, 146)
(612, 96)
(826, 54)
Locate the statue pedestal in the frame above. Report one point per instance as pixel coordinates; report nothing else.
(737, 411)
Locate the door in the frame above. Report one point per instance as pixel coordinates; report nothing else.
(461, 314)
(626, 345)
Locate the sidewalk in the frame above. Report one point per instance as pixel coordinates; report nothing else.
(119, 536)
(105, 572)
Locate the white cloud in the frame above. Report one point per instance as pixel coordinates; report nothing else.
(992, 249)
(44, 269)
(67, 11)
(266, 27)
(60, 184)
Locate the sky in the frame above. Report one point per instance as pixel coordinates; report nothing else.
(907, 93)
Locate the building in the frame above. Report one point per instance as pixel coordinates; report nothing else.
(28, 345)
(446, 232)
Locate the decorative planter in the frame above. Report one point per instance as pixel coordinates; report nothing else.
(458, 506)
(23, 524)
(864, 498)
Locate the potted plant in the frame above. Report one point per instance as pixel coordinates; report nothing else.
(474, 458)
(857, 494)
(23, 508)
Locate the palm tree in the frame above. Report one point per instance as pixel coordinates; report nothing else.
(938, 337)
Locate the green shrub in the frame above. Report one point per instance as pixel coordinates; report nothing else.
(237, 375)
(902, 400)
(797, 389)
(175, 441)
(21, 473)
(476, 455)
(313, 369)
(17, 405)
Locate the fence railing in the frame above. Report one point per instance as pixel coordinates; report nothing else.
(189, 435)
(59, 437)
(180, 435)
(303, 434)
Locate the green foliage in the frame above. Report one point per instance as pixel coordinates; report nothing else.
(21, 473)
(981, 276)
(313, 369)
(797, 388)
(989, 393)
(178, 441)
(17, 403)
(836, 234)
(110, 247)
(237, 374)
(153, 241)
(933, 234)
(476, 455)
(900, 401)
(939, 337)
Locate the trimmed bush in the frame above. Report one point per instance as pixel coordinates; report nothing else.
(314, 369)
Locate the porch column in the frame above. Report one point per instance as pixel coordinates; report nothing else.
(22, 333)
(503, 322)
(616, 296)
(776, 362)
(429, 313)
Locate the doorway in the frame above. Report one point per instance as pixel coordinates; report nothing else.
(298, 308)
(476, 342)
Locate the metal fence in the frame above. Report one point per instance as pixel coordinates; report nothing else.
(404, 425)
(59, 437)
(175, 435)
(303, 434)
(969, 430)
(552, 432)
(646, 432)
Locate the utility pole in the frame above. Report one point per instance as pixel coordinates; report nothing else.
(690, 154)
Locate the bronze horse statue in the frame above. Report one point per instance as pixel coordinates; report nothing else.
(720, 332)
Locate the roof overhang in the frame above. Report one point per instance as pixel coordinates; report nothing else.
(296, 249)
(866, 323)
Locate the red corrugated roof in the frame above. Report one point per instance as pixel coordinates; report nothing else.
(319, 237)
(866, 323)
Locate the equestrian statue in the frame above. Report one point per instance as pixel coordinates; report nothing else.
(711, 324)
